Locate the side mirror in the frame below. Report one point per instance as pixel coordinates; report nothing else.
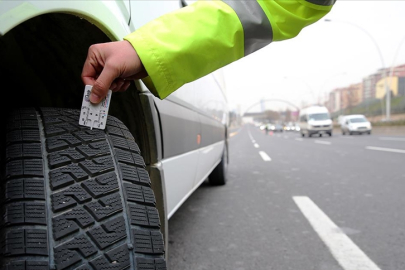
(183, 3)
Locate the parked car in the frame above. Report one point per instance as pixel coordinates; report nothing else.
(315, 120)
(81, 198)
(355, 123)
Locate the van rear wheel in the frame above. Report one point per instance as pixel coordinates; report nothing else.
(219, 175)
(75, 198)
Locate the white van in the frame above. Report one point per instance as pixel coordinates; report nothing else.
(315, 120)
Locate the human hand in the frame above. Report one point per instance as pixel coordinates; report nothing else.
(111, 65)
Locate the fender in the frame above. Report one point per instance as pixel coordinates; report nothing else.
(110, 16)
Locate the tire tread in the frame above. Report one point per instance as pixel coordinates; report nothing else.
(102, 208)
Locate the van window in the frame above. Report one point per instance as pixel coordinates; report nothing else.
(319, 116)
(358, 120)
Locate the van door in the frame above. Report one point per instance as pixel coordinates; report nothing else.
(180, 127)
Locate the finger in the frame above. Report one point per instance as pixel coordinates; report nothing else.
(103, 84)
(124, 87)
(91, 68)
(89, 74)
(120, 83)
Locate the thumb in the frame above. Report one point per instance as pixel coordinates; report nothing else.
(102, 85)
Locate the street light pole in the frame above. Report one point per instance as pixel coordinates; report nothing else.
(387, 94)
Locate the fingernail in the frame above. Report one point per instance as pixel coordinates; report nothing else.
(94, 98)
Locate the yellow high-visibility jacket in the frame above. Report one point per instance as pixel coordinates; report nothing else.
(187, 44)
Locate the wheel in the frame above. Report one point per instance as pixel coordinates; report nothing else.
(302, 134)
(369, 132)
(350, 133)
(219, 175)
(75, 198)
(330, 134)
(343, 133)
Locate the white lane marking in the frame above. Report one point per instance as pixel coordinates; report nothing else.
(264, 156)
(345, 251)
(322, 142)
(256, 145)
(385, 149)
(298, 139)
(251, 137)
(392, 139)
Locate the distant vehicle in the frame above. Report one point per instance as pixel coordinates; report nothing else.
(297, 127)
(274, 127)
(315, 120)
(340, 119)
(278, 128)
(289, 127)
(355, 123)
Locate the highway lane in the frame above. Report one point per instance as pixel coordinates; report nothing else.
(262, 218)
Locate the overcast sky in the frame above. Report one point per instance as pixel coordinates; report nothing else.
(323, 56)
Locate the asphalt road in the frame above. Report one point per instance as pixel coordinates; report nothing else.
(324, 203)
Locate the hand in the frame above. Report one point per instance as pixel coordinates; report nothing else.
(111, 65)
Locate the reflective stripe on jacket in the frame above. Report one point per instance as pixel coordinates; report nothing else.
(189, 43)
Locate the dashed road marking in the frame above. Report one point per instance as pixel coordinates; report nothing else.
(256, 145)
(264, 156)
(345, 251)
(392, 139)
(385, 149)
(251, 137)
(298, 139)
(322, 142)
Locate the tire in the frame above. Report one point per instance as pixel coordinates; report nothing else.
(302, 134)
(369, 132)
(343, 133)
(75, 198)
(219, 176)
(330, 134)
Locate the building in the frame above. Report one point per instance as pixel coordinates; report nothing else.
(392, 85)
(353, 95)
(369, 83)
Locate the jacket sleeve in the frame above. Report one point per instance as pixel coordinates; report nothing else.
(189, 43)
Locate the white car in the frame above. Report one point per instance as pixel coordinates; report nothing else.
(355, 123)
(75, 198)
